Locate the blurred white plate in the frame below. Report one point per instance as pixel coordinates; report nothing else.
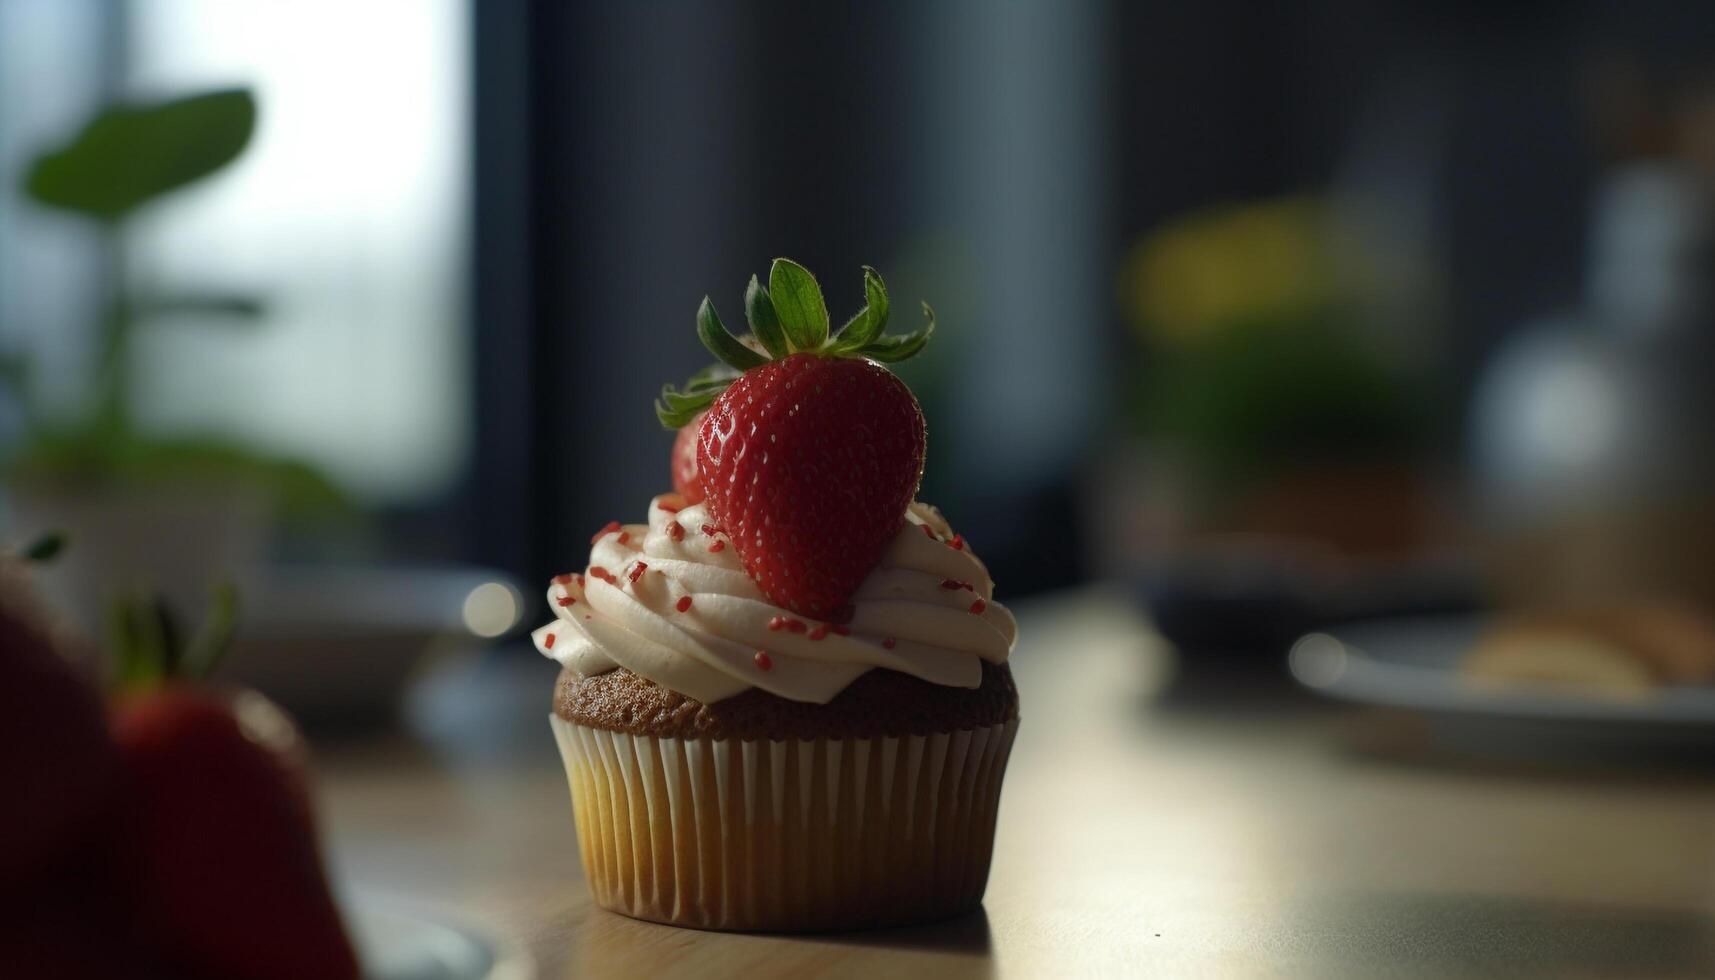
(1411, 663)
(397, 944)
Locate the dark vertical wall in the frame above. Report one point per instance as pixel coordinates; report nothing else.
(673, 152)
(501, 495)
(632, 157)
(639, 208)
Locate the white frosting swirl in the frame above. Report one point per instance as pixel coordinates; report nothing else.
(927, 609)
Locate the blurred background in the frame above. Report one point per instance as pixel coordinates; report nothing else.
(1334, 351)
(1274, 316)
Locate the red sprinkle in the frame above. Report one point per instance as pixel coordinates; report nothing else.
(978, 606)
(624, 536)
(711, 530)
(608, 528)
(888, 642)
(548, 640)
(683, 604)
(563, 579)
(777, 623)
(568, 601)
(676, 531)
(953, 583)
(581, 580)
(929, 532)
(763, 661)
(637, 571)
(842, 629)
(957, 543)
(718, 546)
(796, 625)
(602, 573)
(819, 632)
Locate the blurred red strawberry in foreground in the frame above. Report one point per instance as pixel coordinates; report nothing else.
(227, 873)
(230, 876)
(169, 836)
(54, 750)
(64, 910)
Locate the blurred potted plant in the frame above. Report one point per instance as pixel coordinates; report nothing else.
(1275, 438)
(178, 511)
(1263, 381)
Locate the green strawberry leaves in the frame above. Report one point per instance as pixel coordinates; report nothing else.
(724, 345)
(870, 321)
(764, 322)
(788, 316)
(151, 647)
(677, 407)
(890, 350)
(799, 304)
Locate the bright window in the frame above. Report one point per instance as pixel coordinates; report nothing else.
(348, 215)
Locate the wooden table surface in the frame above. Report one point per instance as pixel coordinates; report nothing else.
(1136, 838)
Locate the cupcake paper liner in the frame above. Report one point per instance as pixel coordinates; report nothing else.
(788, 835)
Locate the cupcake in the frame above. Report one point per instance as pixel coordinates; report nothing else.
(785, 702)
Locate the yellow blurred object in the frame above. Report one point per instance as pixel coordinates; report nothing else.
(1229, 263)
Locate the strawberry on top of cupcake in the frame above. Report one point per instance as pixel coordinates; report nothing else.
(792, 556)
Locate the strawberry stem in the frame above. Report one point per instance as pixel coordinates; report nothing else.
(788, 316)
(148, 644)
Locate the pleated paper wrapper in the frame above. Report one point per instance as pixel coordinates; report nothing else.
(786, 835)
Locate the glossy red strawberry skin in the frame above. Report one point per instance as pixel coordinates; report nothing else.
(227, 868)
(809, 463)
(686, 481)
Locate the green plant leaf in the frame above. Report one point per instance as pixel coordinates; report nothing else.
(893, 349)
(870, 321)
(237, 306)
(45, 548)
(130, 154)
(798, 302)
(764, 322)
(90, 455)
(722, 344)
